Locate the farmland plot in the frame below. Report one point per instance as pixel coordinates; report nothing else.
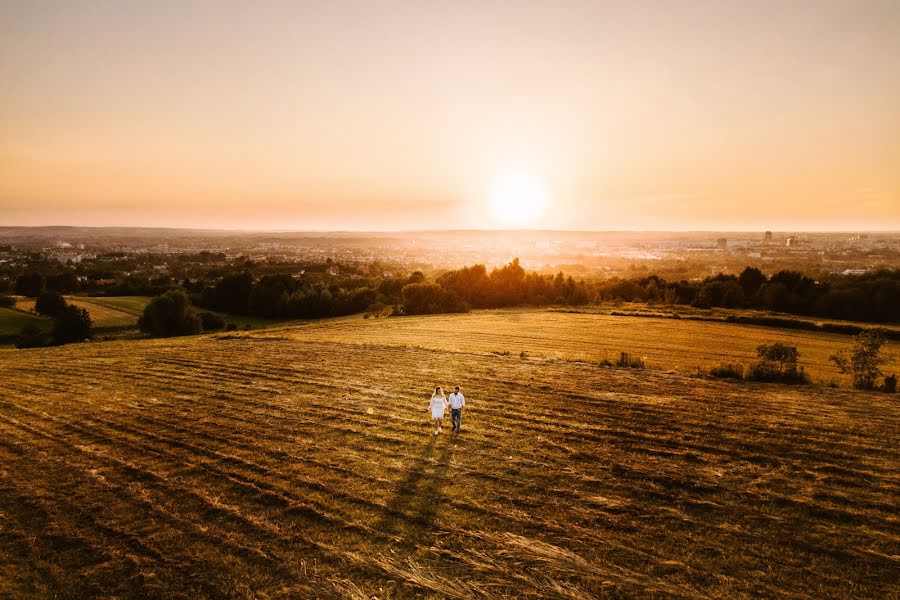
(106, 313)
(667, 344)
(281, 464)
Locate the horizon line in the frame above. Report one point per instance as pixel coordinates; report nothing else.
(325, 231)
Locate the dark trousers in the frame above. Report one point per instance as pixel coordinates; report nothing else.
(456, 417)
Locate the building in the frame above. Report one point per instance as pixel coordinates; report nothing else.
(722, 243)
(64, 258)
(768, 237)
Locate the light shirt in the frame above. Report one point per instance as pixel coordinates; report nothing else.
(437, 403)
(457, 400)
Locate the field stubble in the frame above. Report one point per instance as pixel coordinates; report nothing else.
(298, 462)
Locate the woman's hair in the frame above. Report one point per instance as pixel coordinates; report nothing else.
(438, 391)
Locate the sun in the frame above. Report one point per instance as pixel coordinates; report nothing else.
(517, 199)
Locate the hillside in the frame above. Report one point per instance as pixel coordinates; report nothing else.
(298, 462)
(667, 344)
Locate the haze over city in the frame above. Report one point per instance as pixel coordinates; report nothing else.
(701, 115)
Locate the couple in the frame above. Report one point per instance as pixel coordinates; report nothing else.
(439, 404)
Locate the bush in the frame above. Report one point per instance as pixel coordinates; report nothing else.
(170, 314)
(780, 322)
(728, 371)
(863, 362)
(778, 363)
(210, 321)
(31, 337)
(50, 304)
(7, 301)
(846, 329)
(72, 324)
(632, 362)
(890, 384)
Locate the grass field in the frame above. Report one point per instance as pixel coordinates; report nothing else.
(667, 344)
(106, 313)
(133, 305)
(116, 315)
(12, 322)
(298, 462)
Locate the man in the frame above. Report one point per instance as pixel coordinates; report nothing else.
(457, 401)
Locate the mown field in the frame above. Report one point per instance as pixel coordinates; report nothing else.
(666, 344)
(298, 462)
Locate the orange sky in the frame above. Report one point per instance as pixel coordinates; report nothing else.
(400, 115)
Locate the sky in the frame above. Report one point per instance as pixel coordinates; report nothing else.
(337, 115)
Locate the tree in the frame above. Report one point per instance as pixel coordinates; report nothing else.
(777, 362)
(470, 283)
(727, 294)
(310, 303)
(430, 298)
(231, 294)
(63, 282)
(863, 362)
(72, 324)
(269, 296)
(777, 297)
(29, 284)
(50, 304)
(170, 314)
(751, 279)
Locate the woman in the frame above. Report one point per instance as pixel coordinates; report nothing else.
(438, 405)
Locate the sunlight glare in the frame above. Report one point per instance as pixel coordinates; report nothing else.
(517, 199)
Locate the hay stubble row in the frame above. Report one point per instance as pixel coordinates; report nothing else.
(299, 463)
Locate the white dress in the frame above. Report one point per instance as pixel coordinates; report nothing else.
(437, 407)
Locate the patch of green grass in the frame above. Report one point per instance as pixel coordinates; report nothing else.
(12, 322)
(131, 304)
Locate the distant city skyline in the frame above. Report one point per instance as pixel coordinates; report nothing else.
(406, 116)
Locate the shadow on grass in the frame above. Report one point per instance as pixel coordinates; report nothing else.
(413, 508)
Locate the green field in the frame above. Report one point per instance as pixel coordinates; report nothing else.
(133, 305)
(12, 322)
(109, 314)
(106, 313)
(299, 462)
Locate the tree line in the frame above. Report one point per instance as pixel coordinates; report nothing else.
(873, 297)
(870, 297)
(454, 291)
(330, 290)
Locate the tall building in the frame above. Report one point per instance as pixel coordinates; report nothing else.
(722, 244)
(768, 237)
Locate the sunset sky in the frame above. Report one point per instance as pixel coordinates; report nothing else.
(410, 115)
